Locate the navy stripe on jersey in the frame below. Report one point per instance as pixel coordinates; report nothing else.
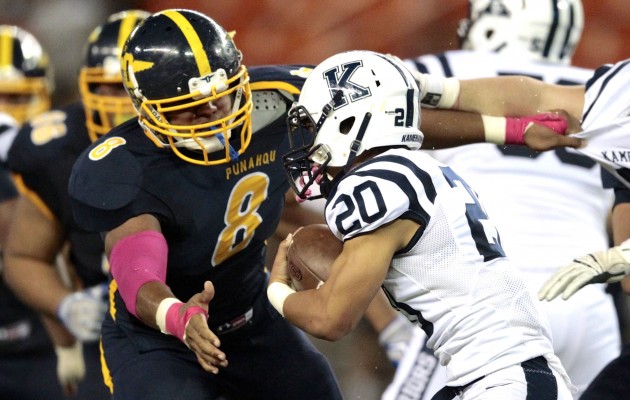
(448, 72)
(604, 84)
(421, 67)
(426, 326)
(552, 30)
(416, 171)
(567, 34)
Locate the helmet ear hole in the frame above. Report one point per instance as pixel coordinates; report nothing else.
(346, 125)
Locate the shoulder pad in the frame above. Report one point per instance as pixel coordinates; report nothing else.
(106, 176)
(46, 137)
(287, 79)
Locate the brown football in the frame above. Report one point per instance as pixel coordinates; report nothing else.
(311, 254)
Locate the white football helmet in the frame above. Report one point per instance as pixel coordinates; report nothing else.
(351, 102)
(541, 29)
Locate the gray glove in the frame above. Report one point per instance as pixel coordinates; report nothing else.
(607, 266)
(82, 312)
(70, 367)
(395, 338)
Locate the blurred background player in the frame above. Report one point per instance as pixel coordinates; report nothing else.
(42, 157)
(532, 196)
(29, 367)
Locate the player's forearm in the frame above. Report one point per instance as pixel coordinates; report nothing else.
(35, 282)
(446, 128)
(149, 298)
(513, 95)
(58, 334)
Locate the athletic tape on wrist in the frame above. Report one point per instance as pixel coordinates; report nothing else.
(176, 321)
(160, 314)
(277, 292)
(494, 129)
(437, 91)
(136, 260)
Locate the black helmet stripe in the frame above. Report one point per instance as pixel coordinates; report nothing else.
(567, 36)
(203, 64)
(552, 29)
(411, 107)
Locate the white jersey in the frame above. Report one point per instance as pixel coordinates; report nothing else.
(549, 208)
(453, 280)
(523, 189)
(606, 120)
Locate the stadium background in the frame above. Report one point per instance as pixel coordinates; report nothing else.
(306, 31)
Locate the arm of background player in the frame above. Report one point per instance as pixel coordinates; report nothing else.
(621, 232)
(33, 243)
(334, 309)
(518, 96)
(448, 128)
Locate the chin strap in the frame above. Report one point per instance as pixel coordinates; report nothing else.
(356, 143)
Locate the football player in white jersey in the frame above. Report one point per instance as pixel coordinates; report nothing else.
(412, 226)
(603, 107)
(531, 196)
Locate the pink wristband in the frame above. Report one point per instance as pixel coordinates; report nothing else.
(176, 322)
(515, 128)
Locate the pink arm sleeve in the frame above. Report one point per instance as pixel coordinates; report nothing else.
(136, 260)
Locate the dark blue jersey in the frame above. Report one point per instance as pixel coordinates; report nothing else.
(215, 218)
(42, 155)
(20, 328)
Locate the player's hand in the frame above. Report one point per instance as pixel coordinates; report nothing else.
(280, 268)
(548, 131)
(607, 266)
(199, 338)
(82, 312)
(395, 338)
(70, 367)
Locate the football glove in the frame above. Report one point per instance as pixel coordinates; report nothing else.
(82, 312)
(395, 338)
(70, 367)
(607, 266)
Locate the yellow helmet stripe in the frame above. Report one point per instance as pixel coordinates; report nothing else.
(193, 41)
(6, 47)
(126, 26)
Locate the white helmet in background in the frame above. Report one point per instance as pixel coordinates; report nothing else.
(547, 30)
(352, 102)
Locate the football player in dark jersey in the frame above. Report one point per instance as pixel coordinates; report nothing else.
(188, 193)
(28, 363)
(41, 157)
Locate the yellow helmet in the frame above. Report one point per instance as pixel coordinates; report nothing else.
(101, 66)
(26, 82)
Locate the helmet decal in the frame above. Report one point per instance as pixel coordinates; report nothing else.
(337, 79)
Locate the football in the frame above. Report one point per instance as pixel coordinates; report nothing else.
(311, 254)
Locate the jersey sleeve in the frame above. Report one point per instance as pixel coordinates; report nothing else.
(379, 192)
(104, 181)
